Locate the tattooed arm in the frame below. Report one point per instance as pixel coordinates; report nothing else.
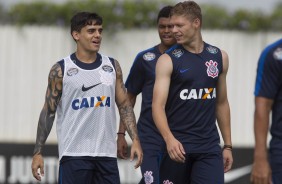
(127, 116)
(46, 119)
(121, 142)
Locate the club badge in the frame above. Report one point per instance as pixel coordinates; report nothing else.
(212, 50)
(149, 56)
(278, 54)
(177, 53)
(72, 71)
(212, 69)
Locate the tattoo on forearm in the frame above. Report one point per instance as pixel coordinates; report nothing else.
(47, 115)
(128, 118)
(125, 109)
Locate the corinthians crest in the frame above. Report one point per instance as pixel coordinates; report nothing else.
(212, 69)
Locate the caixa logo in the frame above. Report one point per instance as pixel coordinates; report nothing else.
(90, 102)
(204, 93)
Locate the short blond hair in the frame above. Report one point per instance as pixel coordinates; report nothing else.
(189, 9)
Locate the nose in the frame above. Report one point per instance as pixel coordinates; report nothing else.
(97, 34)
(174, 29)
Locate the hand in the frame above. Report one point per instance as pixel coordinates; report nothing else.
(37, 163)
(261, 172)
(121, 147)
(227, 159)
(136, 150)
(175, 150)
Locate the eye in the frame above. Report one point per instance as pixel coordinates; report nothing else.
(100, 31)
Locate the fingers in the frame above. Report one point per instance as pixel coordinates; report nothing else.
(227, 166)
(37, 167)
(122, 148)
(122, 152)
(139, 160)
(139, 153)
(177, 154)
(227, 160)
(36, 174)
(260, 179)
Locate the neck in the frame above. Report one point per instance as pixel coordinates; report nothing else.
(162, 48)
(86, 57)
(195, 48)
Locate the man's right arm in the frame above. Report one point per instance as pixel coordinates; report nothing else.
(261, 172)
(160, 93)
(47, 116)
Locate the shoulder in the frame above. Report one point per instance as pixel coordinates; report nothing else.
(164, 60)
(272, 51)
(147, 55)
(56, 72)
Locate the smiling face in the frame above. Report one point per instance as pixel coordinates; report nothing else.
(184, 29)
(186, 18)
(89, 38)
(165, 32)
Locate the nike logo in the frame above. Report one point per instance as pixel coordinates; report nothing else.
(184, 70)
(237, 173)
(90, 87)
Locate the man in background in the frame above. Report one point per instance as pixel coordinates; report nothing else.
(141, 80)
(267, 166)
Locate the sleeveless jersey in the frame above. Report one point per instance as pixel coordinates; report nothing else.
(86, 123)
(191, 102)
(269, 85)
(141, 79)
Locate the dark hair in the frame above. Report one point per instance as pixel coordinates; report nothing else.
(81, 19)
(164, 12)
(189, 9)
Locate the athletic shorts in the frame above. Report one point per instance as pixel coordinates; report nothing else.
(276, 168)
(88, 170)
(199, 168)
(150, 166)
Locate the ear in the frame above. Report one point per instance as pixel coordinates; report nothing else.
(197, 22)
(75, 35)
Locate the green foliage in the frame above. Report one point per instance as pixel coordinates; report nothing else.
(127, 14)
(276, 18)
(215, 17)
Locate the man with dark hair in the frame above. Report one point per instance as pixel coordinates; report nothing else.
(189, 96)
(83, 89)
(141, 80)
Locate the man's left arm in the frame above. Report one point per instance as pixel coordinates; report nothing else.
(127, 115)
(223, 114)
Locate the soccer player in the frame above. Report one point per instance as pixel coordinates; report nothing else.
(189, 96)
(141, 80)
(83, 89)
(268, 98)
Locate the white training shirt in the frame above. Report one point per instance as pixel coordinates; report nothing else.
(86, 123)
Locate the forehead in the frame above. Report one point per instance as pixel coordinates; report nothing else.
(164, 20)
(178, 18)
(93, 26)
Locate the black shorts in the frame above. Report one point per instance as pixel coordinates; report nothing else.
(199, 168)
(88, 170)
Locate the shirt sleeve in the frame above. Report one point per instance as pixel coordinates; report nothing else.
(136, 77)
(268, 75)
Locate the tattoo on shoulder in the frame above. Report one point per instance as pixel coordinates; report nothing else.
(119, 76)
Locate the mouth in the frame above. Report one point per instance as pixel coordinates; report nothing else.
(177, 37)
(167, 37)
(96, 42)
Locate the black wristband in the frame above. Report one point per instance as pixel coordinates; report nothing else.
(228, 147)
(121, 133)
